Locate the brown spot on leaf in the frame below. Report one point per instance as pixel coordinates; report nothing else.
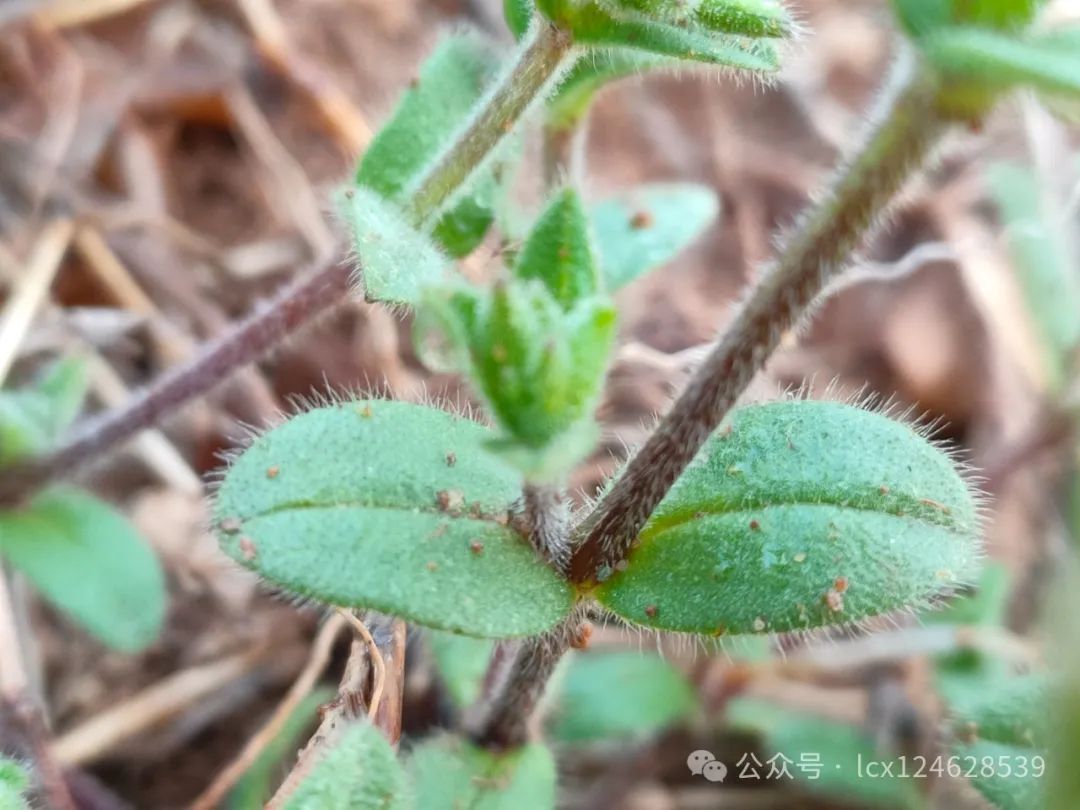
(641, 220)
(754, 525)
(476, 547)
(451, 459)
(247, 549)
(651, 611)
(432, 565)
(450, 500)
(231, 525)
(840, 584)
(272, 472)
(833, 600)
(935, 505)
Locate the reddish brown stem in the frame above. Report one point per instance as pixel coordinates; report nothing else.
(292, 309)
(903, 133)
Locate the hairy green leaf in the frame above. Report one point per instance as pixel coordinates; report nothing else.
(429, 114)
(559, 251)
(359, 771)
(89, 562)
(785, 521)
(749, 18)
(396, 261)
(1009, 777)
(1014, 712)
(390, 506)
(619, 694)
(592, 24)
(538, 367)
(648, 227)
(448, 774)
(986, 60)
(462, 662)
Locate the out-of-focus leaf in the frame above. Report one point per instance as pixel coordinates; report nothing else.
(1044, 260)
(925, 17)
(256, 786)
(357, 772)
(786, 522)
(14, 782)
(390, 506)
(571, 100)
(648, 227)
(462, 662)
(449, 774)
(89, 562)
(984, 59)
(614, 695)
(822, 755)
(429, 114)
(32, 418)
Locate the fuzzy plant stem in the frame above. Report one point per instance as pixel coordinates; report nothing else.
(537, 66)
(543, 56)
(902, 134)
(296, 306)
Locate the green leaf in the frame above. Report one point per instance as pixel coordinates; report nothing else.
(14, 782)
(987, 60)
(1015, 791)
(32, 418)
(926, 17)
(1045, 266)
(649, 227)
(749, 18)
(255, 787)
(518, 15)
(593, 25)
(570, 101)
(1014, 712)
(619, 694)
(357, 772)
(396, 261)
(462, 662)
(390, 506)
(428, 116)
(449, 774)
(559, 251)
(89, 562)
(822, 755)
(538, 367)
(786, 522)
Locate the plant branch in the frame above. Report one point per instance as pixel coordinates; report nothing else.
(907, 127)
(540, 62)
(537, 66)
(295, 307)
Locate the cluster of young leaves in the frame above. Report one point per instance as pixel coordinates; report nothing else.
(78, 551)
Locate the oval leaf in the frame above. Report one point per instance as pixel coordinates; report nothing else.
(89, 562)
(619, 694)
(390, 506)
(648, 227)
(359, 771)
(449, 774)
(798, 515)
